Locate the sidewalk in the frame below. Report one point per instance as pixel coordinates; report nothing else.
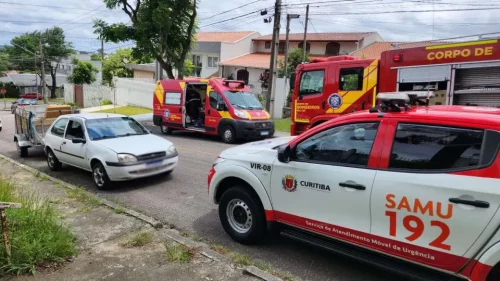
(98, 108)
(119, 247)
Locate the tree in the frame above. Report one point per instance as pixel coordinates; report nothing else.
(188, 67)
(294, 59)
(95, 57)
(54, 49)
(114, 64)
(83, 72)
(162, 29)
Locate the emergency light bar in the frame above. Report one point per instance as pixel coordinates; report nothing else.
(397, 97)
(241, 84)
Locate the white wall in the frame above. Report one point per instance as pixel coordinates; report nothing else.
(69, 90)
(136, 93)
(205, 70)
(94, 95)
(242, 47)
(317, 48)
(372, 38)
(280, 97)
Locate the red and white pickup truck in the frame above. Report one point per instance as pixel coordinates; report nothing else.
(415, 191)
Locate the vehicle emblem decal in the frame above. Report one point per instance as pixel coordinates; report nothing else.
(289, 183)
(167, 113)
(335, 101)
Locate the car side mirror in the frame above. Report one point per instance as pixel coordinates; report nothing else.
(284, 153)
(78, 140)
(292, 81)
(221, 106)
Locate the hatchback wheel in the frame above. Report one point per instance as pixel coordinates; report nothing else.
(52, 161)
(242, 216)
(100, 176)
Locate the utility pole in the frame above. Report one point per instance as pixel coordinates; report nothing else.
(304, 47)
(44, 94)
(274, 57)
(102, 59)
(287, 45)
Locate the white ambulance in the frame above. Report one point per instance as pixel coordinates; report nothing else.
(415, 191)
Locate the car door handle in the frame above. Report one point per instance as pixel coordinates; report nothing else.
(353, 185)
(180, 110)
(323, 104)
(63, 142)
(208, 112)
(475, 203)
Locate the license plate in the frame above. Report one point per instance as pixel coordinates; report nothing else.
(264, 133)
(154, 163)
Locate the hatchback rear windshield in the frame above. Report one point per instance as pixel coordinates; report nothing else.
(114, 127)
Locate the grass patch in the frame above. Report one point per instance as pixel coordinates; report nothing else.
(282, 125)
(176, 252)
(219, 249)
(37, 236)
(127, 110)
(139, 240)
(241, 259)
(197, 238)
(85, 209)
(118, 211)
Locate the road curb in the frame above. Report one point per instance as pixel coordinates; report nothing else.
(147, 219)
(170, 233)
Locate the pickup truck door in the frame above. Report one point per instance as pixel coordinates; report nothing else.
(432, 201)
(75, 153)
(326, 187)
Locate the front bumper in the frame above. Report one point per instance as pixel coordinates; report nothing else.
(254, 129)
(122, 173)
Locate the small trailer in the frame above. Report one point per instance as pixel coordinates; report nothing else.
(33, 121)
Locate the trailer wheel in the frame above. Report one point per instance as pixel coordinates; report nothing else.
(21, 151)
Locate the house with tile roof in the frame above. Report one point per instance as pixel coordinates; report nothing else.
(209, 49)
(250, 66)
(374, 50)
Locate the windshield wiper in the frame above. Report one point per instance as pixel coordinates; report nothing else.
(105, 137)
(128, 135)
(240, 106)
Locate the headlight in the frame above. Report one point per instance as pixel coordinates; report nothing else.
(171, 150)
(218, 161)
(126, 158)
(240, 114)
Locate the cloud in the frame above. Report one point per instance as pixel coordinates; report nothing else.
(325, 15)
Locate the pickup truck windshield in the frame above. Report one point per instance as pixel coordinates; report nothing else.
(114, 127)
(243, 100)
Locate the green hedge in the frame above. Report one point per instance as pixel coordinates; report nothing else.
(12, 90)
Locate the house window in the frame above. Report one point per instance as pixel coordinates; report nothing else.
(308, 46)
(62, 67)
(212, 61)
(281, 47)
(351, 79)
(332, 49)
(267, 45)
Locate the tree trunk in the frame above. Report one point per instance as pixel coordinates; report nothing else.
(54, 86)
(187, 44)
(167, 66)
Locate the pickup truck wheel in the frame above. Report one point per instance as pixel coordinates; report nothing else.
(101, 179)
(165, 129)
(21, 151)
(228, 135)
(241, 215)
(52, 161)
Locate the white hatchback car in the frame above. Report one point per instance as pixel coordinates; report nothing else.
(113, 147)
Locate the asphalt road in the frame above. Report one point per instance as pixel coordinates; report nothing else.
(181, 199)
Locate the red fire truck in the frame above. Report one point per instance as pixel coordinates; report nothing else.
(466, 73)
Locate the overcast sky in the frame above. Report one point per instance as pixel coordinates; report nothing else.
(384, 16)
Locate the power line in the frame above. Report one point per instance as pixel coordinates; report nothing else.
(44, 6)
(22, 21)
(230, 10)
(408, 11)
(229, 19)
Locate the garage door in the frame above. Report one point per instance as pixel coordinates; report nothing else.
(435, 73)
(477, 86)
